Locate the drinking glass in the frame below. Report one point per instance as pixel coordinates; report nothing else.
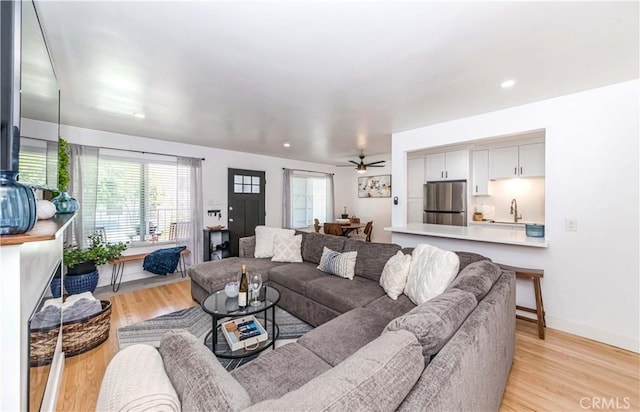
(255, 283)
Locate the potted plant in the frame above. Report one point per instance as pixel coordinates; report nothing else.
(82, 273)
(63, 201)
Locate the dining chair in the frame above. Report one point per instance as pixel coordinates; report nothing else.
(333, 229)
(316, 225)
(367, 230)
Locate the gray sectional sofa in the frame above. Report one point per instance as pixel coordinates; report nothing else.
(367, 352)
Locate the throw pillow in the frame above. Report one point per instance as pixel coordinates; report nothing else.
(265, 237)
(431, 271)
(200, 381)
(339, 264)
(395, 273)
(287, 249)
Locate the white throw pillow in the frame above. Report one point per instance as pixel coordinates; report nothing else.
(431, 271)
(287, 249)
(395, 273)
(265, 237)
(339, 264)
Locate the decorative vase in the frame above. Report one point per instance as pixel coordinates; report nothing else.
(56, 287)
(65, 203)
(17, 205)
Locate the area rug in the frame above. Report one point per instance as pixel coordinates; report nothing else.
(197, 322)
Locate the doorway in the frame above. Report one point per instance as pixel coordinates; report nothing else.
(246, 199)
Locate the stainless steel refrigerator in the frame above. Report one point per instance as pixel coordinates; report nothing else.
(445, 203)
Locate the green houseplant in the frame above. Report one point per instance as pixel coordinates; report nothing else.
(63, 201)
(99, 252)
(82, 273)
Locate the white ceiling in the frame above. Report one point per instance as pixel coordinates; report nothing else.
(331, 78)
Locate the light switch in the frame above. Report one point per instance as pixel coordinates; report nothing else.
(571, 225)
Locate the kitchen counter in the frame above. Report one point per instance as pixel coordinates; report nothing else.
(504, 234)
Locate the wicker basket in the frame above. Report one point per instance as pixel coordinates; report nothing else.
(78, 336)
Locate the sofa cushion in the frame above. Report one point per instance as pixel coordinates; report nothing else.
(287, 248)
(339, 264)
(200, 381)
(391, 308)
(295, 276)
(128, 387)
(376, 378)
(432, 269)
(395, 273)
(343, 294)
(265, 237)
(371, 257)
(274, 373)
(466, 258)
(212, 276)
(477, 278)
(435, 321)
(341, 337)
(314, 243)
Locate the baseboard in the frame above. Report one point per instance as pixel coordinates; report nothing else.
(624, 342)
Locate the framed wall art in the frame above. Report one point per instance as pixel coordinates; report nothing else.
(374, 186)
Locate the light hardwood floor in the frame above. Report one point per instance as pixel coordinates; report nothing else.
(562, 372)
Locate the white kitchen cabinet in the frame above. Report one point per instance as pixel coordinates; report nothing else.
(415, 177)
(531, 158)
(414, 210)
(434, 167)
(517, 161)
(447, 166)
(480, 173)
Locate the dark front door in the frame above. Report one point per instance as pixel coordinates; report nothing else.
(246, 204)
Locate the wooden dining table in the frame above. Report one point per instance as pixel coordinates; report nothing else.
(348, 228)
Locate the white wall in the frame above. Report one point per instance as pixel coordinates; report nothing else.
(214, 177)
(377, 210)
(591, 283)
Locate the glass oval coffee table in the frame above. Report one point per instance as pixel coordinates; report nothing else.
(223, 308)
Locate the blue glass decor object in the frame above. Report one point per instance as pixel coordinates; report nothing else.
(65, 203)
(17, 205)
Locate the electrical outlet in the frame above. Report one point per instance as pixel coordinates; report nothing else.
(571, 225)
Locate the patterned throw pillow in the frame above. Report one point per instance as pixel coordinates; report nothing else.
(287, 248)
(339, 264)
(265, 236)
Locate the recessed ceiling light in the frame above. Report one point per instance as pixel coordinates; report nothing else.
(139, 115)
(508, 83)
(287, 145)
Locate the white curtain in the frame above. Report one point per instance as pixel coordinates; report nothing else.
(190, 207)
(287, 216)
(83, 185)
(330, 195)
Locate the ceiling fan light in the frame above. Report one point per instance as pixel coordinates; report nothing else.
(361, 169)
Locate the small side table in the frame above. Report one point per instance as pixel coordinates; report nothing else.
(534, 275)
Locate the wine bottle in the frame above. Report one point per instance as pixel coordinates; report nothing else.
(244, 288)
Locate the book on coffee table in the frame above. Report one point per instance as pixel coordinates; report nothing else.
(244, 333)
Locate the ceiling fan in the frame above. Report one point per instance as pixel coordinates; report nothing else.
(362, 166)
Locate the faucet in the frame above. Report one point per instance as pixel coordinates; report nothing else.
(514, 210)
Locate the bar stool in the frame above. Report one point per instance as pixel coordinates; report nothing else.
(534, 275)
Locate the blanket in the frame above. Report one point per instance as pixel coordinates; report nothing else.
(163, 261)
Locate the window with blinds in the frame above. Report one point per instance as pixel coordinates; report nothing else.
(137, 198)
(38, 162)
(309, 197)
